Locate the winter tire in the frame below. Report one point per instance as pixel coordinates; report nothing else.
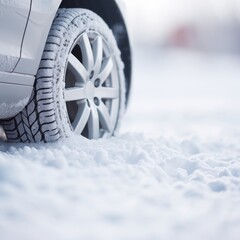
(79, 85)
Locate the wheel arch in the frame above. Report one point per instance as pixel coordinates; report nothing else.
(40, 21)
(110, 12)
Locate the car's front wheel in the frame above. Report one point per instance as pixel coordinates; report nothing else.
(79, 85)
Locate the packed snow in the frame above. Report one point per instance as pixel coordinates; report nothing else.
(172, 173)
(9, 109)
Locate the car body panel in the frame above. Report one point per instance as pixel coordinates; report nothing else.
(13, 20)
(39, 24)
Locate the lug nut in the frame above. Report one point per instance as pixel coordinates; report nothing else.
(91, 74)
(97, 82)
(96, 101)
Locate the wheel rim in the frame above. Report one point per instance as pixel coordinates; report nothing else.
(92, 87)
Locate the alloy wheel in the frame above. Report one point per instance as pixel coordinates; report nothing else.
(92, 88)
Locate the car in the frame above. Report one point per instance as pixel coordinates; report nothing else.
(65, 67)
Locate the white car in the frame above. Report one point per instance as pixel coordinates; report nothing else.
(65, 66)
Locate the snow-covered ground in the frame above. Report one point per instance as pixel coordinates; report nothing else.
(173, 173)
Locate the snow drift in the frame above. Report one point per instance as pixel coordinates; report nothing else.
(178, 178)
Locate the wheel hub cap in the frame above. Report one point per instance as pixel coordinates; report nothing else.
(92, 91)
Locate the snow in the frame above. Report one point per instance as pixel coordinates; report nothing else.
(173, 173)
(8, 110)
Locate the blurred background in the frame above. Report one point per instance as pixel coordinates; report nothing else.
(206, 25)
(186, 67)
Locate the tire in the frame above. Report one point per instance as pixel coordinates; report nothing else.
(79, 86)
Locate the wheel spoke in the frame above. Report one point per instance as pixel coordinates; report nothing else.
(98, 54)
(107, 93)
(104, 117)
(93, 123)
(107, 68)
(87, 53)
(74, 94)
(78, 70)
(81, 118)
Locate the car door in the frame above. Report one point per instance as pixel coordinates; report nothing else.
(13, 19)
